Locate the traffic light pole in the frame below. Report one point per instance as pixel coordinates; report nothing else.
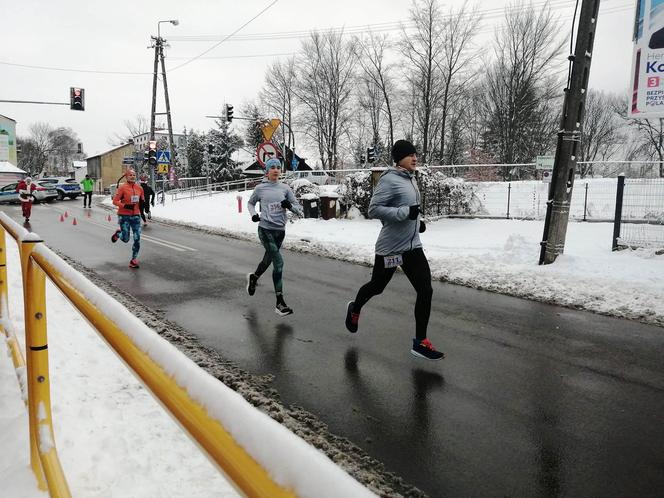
(569, 138)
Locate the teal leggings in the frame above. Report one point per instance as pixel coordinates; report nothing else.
(271, 240)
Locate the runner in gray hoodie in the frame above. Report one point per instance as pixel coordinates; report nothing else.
(396, 202)
(275, 198)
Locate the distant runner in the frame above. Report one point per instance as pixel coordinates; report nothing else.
(396, 203)
(127, 199)
(275, 198)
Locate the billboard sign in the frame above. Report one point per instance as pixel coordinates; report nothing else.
(647, 70)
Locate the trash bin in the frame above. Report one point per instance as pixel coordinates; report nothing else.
(310, 205)
(328, 206)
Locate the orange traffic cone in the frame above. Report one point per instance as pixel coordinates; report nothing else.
(66, 215)
(62, 218)
(74, 222)
(87, 213)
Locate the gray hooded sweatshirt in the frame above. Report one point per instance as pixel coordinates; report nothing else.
(395, 192)
(270, 194)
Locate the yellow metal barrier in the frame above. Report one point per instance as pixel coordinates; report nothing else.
(37, 262)
(14, 348)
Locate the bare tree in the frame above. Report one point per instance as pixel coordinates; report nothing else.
(133, 127)
(459, 27)
(324, 85)
(650, 135)
(601, 129)
(64, 148)
(518, 88)
(48, 149)
(377, 74)
(422, 47)
(278, 96)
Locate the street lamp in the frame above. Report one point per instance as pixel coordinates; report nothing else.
(174, 22)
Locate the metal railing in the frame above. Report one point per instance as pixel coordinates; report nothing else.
(39, 262)
(211, 189)
(43, 454)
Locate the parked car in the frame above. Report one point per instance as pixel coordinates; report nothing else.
(8, 193)
(45, 191)
(65, 187)
(317, 176)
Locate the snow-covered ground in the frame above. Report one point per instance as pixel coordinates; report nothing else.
(498, 255)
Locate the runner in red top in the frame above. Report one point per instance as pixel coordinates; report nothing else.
(128, 198)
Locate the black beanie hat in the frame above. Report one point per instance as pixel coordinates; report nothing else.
(401, 149)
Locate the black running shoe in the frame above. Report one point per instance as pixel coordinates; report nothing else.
(252, 280)
(282, 310)
(352, 319)
(115, 236)
(424, 349)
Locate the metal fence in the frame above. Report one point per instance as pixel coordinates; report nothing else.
(593, 197)
(639, 213)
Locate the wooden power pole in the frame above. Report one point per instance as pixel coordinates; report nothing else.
(159, 57)
(569, 137)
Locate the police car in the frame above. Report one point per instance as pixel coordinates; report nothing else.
(65, 187)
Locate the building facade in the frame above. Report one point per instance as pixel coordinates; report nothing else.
(108, 166)
(8, 140)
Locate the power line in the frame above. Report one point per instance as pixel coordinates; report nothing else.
(224, 39)
(611, 10)
(70, 70)
(492, 13)
(247, 56)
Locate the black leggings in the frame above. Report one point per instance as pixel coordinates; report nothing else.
(416, 268)
(87, 198)
(272, 240)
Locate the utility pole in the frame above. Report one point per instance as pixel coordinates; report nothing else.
(159, 56)
(171, 143)
(569, 137)
(157, 48)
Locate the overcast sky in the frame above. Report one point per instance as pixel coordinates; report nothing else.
(99, 36)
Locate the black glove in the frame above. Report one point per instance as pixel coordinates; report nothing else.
(286, 204)
(255, 218)
(129, 206)
(414, 211)
(152, 203)
(423, 227)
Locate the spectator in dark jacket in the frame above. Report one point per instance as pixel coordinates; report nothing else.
(148, 201)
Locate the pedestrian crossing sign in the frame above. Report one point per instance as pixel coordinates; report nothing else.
(163, 157)
(162, 168)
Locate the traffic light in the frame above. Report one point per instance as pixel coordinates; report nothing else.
(371, 154)
(77, 99)
(229, 113)
(152, 153)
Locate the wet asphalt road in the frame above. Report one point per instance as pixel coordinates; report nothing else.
(532, 400)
